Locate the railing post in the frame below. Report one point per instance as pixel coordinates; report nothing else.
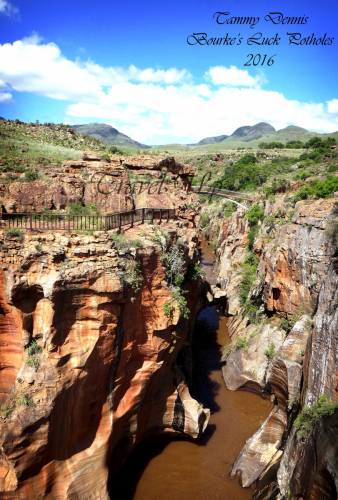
(120, 222)
(142, 215)
(105, 224)
(132, 219)
(168, 214)
(69, 223)
(160, 215)
(152, 216)
(30, 221)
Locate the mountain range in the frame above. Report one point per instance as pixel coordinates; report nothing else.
(251, 135)
(109, 135)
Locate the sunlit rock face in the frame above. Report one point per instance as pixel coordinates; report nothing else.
(296, 281)
(104, 375)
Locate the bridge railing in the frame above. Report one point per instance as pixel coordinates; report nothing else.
(68, 222)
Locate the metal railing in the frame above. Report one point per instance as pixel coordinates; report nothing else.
(68, 222)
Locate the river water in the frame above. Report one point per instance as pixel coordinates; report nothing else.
(181, 469)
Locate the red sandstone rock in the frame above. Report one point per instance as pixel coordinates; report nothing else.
(106, 378)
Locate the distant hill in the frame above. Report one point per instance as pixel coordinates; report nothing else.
(108, 135)
(211, 140)
(247, 134)
(2, 118)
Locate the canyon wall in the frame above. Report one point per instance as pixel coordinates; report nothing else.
(284, 341)
(90, 364)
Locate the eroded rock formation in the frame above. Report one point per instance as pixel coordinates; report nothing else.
(88, 363)
(294, 306)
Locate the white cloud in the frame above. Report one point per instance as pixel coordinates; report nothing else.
(5, 97)
(152, 104)
(234, 77)
(147, 111)
(332, 106)
(8, 9)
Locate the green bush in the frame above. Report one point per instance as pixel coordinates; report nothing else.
(229, 209)
(254, 214)
(205, 220)
(33, 348)
(318, 189)
(309, 417)
(38, 247)
(8, 413)
(194, 271)
(249, 269)
(31, 176)
(136, 243)
(133, 276)
(241, 343)
(227, 350)
(167, 309)
(251, 237)
(120, 241)
(270, 353)
(14, 232)
(25, 400)
(115, 151)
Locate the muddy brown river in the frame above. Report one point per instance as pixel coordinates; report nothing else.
(181, 469)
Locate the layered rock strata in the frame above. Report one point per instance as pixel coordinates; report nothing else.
(115, 185)
(88, 363)
(284, 344)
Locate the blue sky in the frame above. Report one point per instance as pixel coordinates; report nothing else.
(129, 64)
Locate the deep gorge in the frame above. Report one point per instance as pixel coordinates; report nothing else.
(121, 362)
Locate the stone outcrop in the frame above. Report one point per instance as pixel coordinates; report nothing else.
(103, 375)
(294, 302)
(115, 185)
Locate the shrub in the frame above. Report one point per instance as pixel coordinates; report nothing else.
(33, 348)
(136, 243)
(194, 271)
(254, 215)
(241, 343)
(31, 176)
(227, 350)
(14, 232)
(230, 209)
(133, 276)
(115, 151)
(120, 240)
(38, 247)
(252, 236)
(249, 269)
(167, 309)
(270, 353)
(8, 413)
(25, 400)
(309, 417)
(31, 361)
(205, 220)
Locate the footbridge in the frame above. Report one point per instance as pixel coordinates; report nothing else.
(225, 193)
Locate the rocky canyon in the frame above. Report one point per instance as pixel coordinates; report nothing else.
(97, 329)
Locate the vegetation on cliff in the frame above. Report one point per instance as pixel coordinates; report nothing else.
(310, 415)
